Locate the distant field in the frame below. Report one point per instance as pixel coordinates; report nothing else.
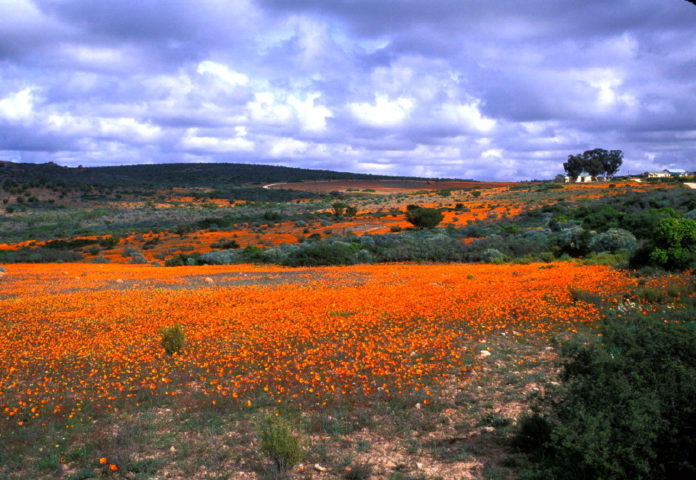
(384, 186)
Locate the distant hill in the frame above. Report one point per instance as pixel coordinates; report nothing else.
(170, 175)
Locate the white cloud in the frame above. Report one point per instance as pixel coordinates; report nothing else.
(265, 108)
(287, 147)
(311, 117)
(18, 107)
(222, 72)
(91, 57)
(467, 116)
(237, 143)
(383, 112)
(607, 84)
(399, 86)
(123, 129)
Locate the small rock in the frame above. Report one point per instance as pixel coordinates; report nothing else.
(172, 449)
(488, 429)
(418, 406)
(485, 353)
(209, 280)
(119, 280)
(319, 468)
(419, 466)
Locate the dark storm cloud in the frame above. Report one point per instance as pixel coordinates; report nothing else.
(493, 90)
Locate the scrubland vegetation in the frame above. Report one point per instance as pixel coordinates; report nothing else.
(156, 328)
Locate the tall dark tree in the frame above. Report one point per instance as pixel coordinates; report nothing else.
(574, 166)
(592, 161)
(595, 162)
(612, 160)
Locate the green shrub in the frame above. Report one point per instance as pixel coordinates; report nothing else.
(39, 255)
(225, 243)
(492, 255)
(627, 404)
(322, 253)
(674, 244)
(613, 240)
(280, 444)
(424, 217)
(580, 295)
(173, 339)
(417, 246)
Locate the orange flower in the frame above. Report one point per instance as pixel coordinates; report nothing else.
(113, 467)
(102, 461)
(312, 334)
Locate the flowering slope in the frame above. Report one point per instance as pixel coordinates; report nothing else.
(82, 338)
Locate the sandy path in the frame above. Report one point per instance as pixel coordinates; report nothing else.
(691, 185)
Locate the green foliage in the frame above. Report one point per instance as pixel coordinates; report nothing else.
(580, 295)
(225, 243)
(173, 339)
(421, 245)
(322, 253)
(280, 444)
(594, 162)
(424, 217)
(613, 240)
(341, 208)
(38, 255)
(674, 244)
(492, 255)
(627, 405)
(272, 216)
(70, 244)
(338, 208)
(108, 242)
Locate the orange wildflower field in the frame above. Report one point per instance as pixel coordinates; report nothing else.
(80, 339)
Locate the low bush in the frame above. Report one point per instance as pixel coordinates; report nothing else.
(417, 246)
(627, 404)
(424, 217)
(39, 255)
(322, 253)
(674, 244)
(173, 339)
(613, 240)
(279, 442)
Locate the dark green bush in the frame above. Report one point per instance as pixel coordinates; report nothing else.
(225, 243)
(39, 255)
(627, 405)
(279, 442)
(173, 339)
(424, 217)
(675, 243)
(613, 240)
(322, 253)
(416, 246)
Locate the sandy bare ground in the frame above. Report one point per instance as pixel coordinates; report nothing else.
(691, 185)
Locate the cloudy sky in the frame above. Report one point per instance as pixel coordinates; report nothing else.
(494, 90)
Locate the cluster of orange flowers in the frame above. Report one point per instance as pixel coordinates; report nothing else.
(82, 335)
